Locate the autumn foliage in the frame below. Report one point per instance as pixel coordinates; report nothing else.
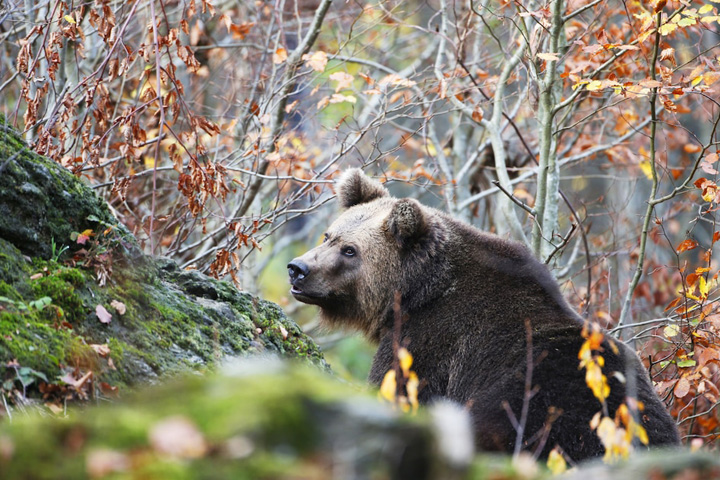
(586, 129)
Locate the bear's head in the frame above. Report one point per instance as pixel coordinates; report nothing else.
(378, 245)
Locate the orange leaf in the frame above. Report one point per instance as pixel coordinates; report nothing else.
(687, 244)
(690, 148)
(673, 304)
(477, 114)
(279, 56)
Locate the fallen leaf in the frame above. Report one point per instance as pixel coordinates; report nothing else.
(84, 236)
(54, 408)
(118, 306)
(77, 384)
(102, 314)
(102, 350)
(102, 462)
(177, 437)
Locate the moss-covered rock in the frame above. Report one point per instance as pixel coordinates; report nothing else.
(40, 202)
(288, 422)
(78, 296)
(278, 421)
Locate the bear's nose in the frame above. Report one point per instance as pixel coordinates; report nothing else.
(297, 269)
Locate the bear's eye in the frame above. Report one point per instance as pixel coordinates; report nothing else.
(348, 251)
(325, 238)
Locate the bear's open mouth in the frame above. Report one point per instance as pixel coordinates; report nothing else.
(303, 296)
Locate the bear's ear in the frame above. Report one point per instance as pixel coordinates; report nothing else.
(407, 222)
(354, 188)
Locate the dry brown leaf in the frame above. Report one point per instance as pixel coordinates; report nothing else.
(118, 306)
(682, 388)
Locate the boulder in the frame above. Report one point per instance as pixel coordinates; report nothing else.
(83, 311)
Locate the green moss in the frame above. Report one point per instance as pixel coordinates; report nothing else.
(288, 423)
(173, 320)
(27, 338)
(63, 293)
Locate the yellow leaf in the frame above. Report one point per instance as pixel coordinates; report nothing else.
(667, 28)
(594, 85)
(709, 192)
(643, 36)
(696, 80)
(703, 287)
(580, 83)
(671, 331)
(556, 463)
(69, 19)
(406, 361)
(596, 380)
(686, 22)
(388, 388)
(413, 386)
(646, 168)
(606, 431)
(640, 433)
(710, 19)
(711, 77)
(705, 9)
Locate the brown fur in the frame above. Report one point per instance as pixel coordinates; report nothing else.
(467, 295)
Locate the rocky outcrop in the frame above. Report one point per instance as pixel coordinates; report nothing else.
(83, 311)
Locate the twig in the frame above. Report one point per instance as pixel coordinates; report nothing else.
(562, 244)
(293, 63)
(653, 189)
(529, 392)
(516, 200)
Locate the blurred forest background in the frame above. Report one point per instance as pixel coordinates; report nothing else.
(585, 129)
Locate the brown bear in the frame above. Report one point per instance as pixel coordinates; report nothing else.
(466, 299)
